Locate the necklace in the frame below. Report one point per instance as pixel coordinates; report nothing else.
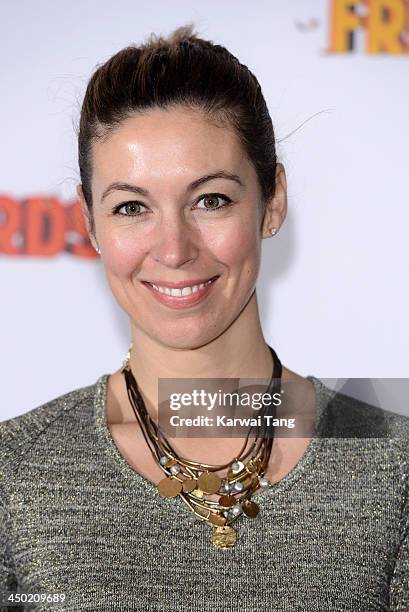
(194, 481)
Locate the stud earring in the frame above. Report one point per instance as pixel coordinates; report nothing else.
(273, 231)
(98, 251)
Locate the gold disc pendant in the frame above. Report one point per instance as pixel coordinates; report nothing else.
(224, 537)
(250, 508)
(227, 501)
(209, 482)
(189, 485)
(169, 487)
(217, 519)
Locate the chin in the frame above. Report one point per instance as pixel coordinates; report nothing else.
(184, 338)
(187, 342)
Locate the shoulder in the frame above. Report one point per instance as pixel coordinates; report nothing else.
(344, 416)
(18, 435)
(364, 439)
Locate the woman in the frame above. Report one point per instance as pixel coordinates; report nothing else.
(179, 186)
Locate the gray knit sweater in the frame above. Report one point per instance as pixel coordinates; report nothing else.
(75, 518)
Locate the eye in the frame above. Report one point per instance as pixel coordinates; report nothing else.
(211, 201)
(132, 205)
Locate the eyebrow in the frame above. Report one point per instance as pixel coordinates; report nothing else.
(118, 186)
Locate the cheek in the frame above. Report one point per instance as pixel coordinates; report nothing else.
(235, 247)
(122, 253)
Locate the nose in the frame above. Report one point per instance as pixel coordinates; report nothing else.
(176, 243)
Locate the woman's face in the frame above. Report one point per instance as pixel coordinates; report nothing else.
(176, 201)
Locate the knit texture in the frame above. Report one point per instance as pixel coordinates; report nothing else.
(76, 518)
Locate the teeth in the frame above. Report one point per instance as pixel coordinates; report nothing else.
(180, 292)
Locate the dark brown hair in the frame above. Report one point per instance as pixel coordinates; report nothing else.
(182, 69)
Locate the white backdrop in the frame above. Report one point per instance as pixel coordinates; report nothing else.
(333, 287)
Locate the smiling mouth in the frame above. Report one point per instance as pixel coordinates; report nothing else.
(181, 291)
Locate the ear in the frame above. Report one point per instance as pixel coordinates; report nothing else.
(276, 207)
(86, 216)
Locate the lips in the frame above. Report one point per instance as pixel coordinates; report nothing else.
(180, 284)
(179, 299)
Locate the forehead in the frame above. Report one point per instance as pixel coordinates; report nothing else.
(172, 144)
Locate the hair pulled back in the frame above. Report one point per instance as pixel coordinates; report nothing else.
(182, 69)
